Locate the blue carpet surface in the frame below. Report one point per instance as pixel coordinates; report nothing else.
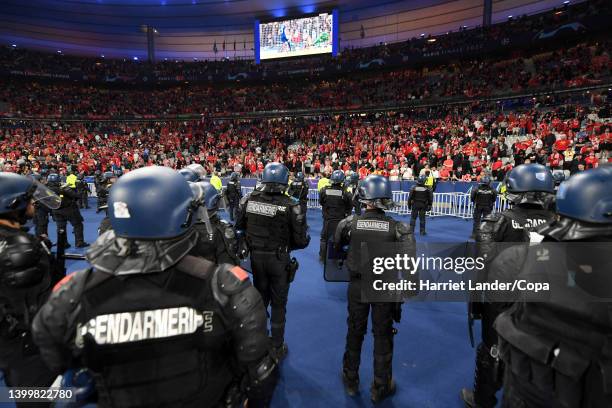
(433, 359)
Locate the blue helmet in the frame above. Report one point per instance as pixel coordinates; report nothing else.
(53, 178)
(199, 169)
(558, 177)
(587, 196)
(206, 194)
(234, 176)
(337, 177)
(528, 178)
(275, 173)
(376, 190)
(151, 203)
(16, 191)
(421, 180)
(189, 174)
(354, 178)
(485, 180)
(299, 176)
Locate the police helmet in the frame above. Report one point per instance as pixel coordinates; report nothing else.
(421, 180)
(558, 177)
(206, 194)
(189, 174)
(151, 203)
(16, 191)
(299, 176)
(376, 190)
(485, 180)
(234, 176)
(199, 169)
(354, 178)
(53, 178)
(337, 177)
(530, 178)
(587, 196)
(275, 177)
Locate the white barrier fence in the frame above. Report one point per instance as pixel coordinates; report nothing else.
(444, 204)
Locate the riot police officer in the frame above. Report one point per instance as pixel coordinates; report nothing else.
(217, 241)
(68, 210)
(155, 326)
(103, 189)
(353, 189)
(41, 213)
(233, 192)
(483, 197)
(336, 204)
(26, 279)
(420, 201)
(557, 349)
(298, 189)
(528, 188)
(274, 225)
(83, 191)
(376, 195)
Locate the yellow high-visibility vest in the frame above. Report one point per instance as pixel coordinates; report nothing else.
(324, 182)
(216, 182)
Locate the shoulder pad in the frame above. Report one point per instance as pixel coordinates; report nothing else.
(347, 221)
(72, 284)
(493, 217)
(19, 251)
(231, 279)
(244, 199)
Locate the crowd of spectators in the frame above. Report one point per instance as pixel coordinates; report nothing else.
(585, 64)
(454, 144)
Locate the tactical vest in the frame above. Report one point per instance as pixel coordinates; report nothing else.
(484, 197)
(335, 206)
(564, 345)
(268, 221)
(372, 226)
(520, 221)
(420, 196)
(154, 340)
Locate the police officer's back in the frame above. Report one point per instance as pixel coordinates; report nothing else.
(373, 226)
(155, 326)
(336, 204)
(83, 191)
(298, 189)
(528, 188)
(217, 240)
(41, 212)
(420, 201)
(274, 225)
(557, 349)
(483, 197)
(233, 192)
(26, 279)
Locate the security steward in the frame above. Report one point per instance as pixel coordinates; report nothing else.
(274, 225)
(154, 325)
(233, 192)
(376, 195)
(26, 279)
(528, 188)
(420, 201)
(557, 351)
(336, 204)
(68, 210)
(217, 241)
(483, 197)
(298, 189)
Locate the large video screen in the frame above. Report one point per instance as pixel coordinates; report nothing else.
(308, 35)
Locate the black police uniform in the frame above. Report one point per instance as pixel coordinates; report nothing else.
(68, 211)
(483, 197)
(218, 246)
(26, 279)
(161, 330)
(420, 201)
(41, 219)
(558, 352)
(274, 225)
(354, 230)
(102, 191)
(512, 225)
(82, 189)
(233, 192)
(299, 191)
(336, 204)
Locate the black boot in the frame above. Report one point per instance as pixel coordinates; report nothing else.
(350, 379)
(487, 380)
(381, 389)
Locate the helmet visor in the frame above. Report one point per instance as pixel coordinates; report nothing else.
(46, 197)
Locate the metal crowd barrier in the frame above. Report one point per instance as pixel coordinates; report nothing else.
(444, 204)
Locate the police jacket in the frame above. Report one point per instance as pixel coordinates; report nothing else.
(335, 201)
(67, 194)
(233, 191)
(25, 283)
(420, 197)
(373, 226)
(219, 245)
(299, 190)
(484, 196)
(561, 339)
(156, 327)
(272, 221)
(513, 225)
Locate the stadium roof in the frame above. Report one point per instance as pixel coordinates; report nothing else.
(190, 28)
